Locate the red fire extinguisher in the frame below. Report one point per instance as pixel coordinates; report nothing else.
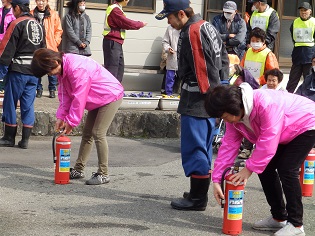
(233, 202)
(307, 174)
(61, 146)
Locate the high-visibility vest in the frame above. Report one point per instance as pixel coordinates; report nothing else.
(107, 29)
(255, 62)
(261, 19)
(303, 32)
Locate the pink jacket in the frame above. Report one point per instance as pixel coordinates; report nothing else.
(84, 84)
(275, 117)
(8, 18)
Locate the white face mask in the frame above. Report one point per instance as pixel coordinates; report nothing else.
(253, 8)
(81, 8)
(256, 46)
(313, 68)
(228, 16)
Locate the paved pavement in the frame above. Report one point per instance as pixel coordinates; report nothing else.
(146, 174)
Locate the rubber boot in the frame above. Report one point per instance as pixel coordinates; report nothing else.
(26, 133)
(8, 139)
(39, 93)
(186, 194)
(52, 94)
(197, 198)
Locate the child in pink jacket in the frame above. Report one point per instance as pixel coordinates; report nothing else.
(282, 126)
(83, 84)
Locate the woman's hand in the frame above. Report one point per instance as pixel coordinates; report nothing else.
(217, 192)
(68, 129)
(241, 176)
(60, 124)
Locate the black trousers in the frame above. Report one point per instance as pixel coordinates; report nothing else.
(114, 58)
(284, 169)
(295, 75)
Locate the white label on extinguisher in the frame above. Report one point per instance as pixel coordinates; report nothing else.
(235, 205)
(308, 177)
(64, 164)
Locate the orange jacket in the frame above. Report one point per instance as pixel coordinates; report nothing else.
(271, 63)
(53, 30)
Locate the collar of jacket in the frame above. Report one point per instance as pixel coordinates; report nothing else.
(46, 12)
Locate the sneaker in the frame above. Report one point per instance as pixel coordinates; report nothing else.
(75, 174)
(97, 179)
(290, 230)
(245, 154)
(269, 224)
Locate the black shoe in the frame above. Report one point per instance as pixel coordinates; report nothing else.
(52, 94)
(8, 139)
(26, 133)
(39, 93)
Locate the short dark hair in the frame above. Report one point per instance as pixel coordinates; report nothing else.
(44, 61)
(275, 72)
(258, 33)
(223, 99)
(23, 8)
(188, 11)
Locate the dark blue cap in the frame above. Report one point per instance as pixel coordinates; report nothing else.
(171, 6)
(20, 2)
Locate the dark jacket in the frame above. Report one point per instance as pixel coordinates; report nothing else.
(238, 27)
(307, 88)
(200, 68)
(23, 36)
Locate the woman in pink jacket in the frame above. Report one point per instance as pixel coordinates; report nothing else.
(282, 126)
(83, 84)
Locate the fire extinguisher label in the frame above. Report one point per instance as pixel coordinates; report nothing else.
(64, 164)
(308, 177)
(235, 205)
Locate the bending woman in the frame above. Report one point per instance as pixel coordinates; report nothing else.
(83, 84)
(282, 125)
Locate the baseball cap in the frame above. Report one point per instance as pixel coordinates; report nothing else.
(171, 6)
(305, 5)
(20, 2)
(230, 7)
(251, 1)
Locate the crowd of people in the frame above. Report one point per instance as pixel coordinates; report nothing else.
(199, 55)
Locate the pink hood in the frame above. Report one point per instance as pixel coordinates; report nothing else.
(84, 84)
(271, 117)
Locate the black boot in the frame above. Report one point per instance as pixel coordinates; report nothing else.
(39, 93)
(26, 133)
(8, 139)
(197, 198)
(52, 94)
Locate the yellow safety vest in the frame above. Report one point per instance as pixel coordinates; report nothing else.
(255, 62)
(107, 29)
(261, 19)
(303, 32)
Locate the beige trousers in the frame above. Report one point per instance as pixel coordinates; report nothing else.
(95, 128)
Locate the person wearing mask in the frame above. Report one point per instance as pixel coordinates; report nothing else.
(202, 63)
(283, 130)
(83, 84)
(265, 18)
(6, 16)
(303, 36)
(50, 21)
(23, 36)
(78, 29)
(232, 29)
(115, 25)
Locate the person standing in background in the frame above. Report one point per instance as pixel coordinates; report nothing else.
(78, 29)
(23, 36)
(265, 18)
(6, 16)
(50, 21)
(232, 29)
(303, 36)
(115, 25)
(202, 63)
(169, 44)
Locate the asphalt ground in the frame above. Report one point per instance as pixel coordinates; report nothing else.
(146, 174)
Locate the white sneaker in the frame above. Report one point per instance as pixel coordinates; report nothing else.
(269, 224)
(290, 230)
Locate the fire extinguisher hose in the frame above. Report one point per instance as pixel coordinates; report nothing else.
(222, 184)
